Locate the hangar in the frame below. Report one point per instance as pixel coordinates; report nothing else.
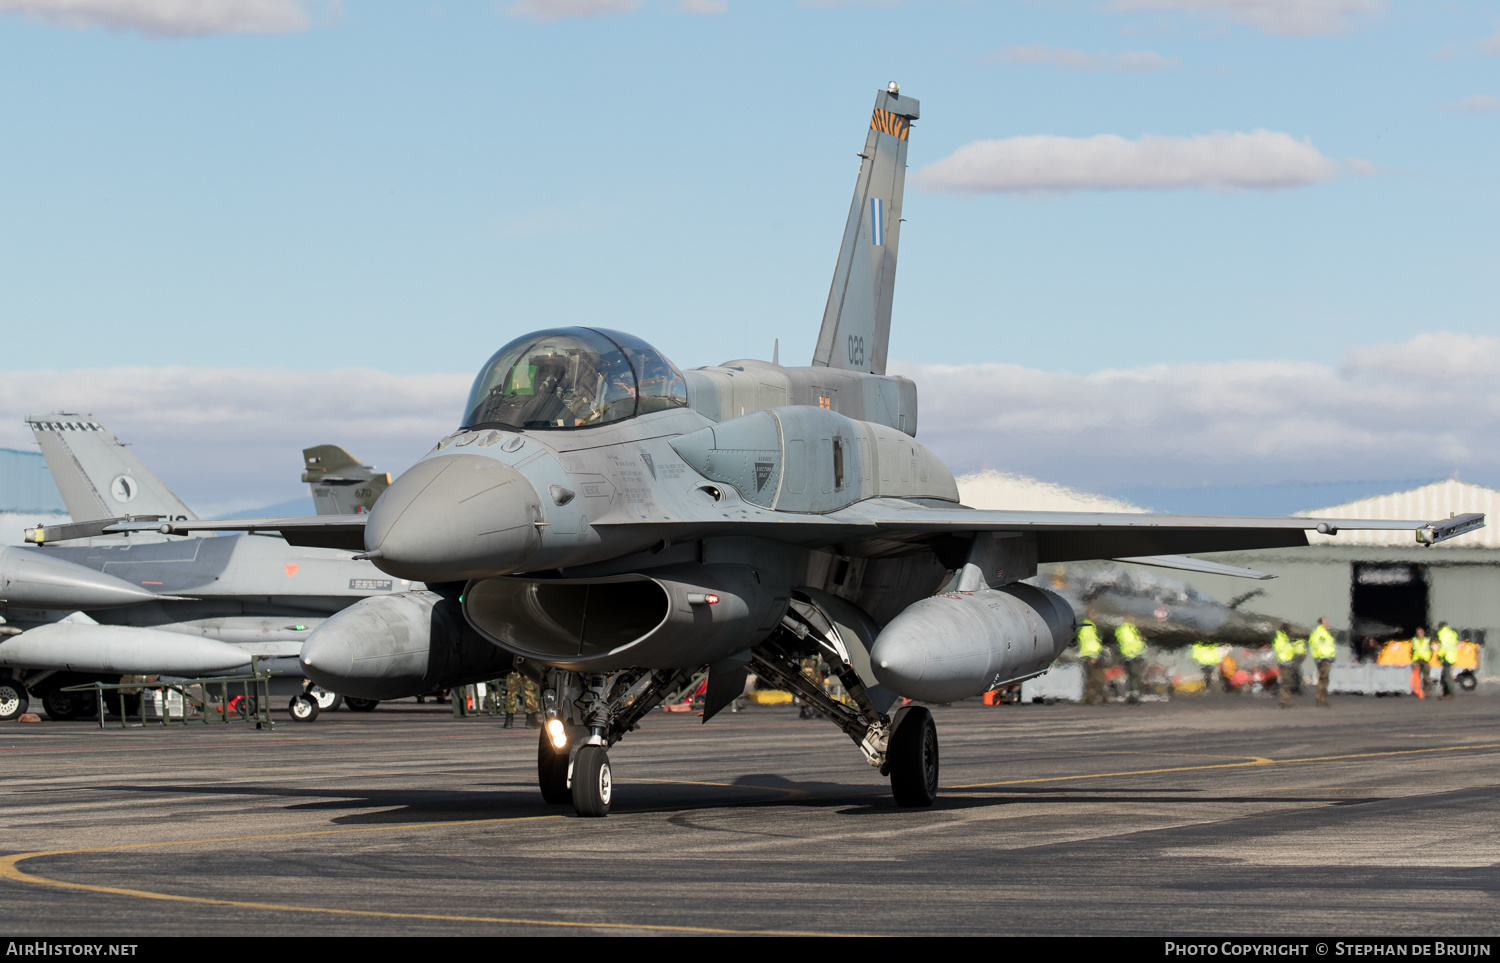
(1383, 585)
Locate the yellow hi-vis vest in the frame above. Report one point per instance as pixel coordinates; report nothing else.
(1282, 646)
(1447, 638)
(1421, 649)
(1205, 653)
(1130, 641)
(1089, 645)
(1321, 643)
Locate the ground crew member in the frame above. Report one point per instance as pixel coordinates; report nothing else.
(1320, 643)
(514, 686)
(531, 702)
(1132, 650)
(1286, 655)
(1299, 648)
(1447, 650)
(1091, 650)
(1206, 654)
(1421, 658)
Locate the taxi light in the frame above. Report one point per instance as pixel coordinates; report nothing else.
(557, 733)
(711, 599)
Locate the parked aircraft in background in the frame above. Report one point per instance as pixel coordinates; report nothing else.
(145, 604)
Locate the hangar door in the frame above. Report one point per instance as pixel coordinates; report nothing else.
(1387, 601)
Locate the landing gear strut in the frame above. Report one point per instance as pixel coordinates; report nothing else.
(903, 746)
(588, 713)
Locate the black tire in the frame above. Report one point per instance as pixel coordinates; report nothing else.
(327, 701)
(63, 706)
(592, 784)
(1466, 681)
(552, 772)
(14, 700)
(360, 705)
(303, 707)
(912, 756)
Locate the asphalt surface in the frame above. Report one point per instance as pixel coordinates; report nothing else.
(1208, 816)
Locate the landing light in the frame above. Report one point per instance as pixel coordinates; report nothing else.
(557, 733)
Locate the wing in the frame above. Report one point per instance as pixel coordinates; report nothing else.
(889, 525)
(315, 531)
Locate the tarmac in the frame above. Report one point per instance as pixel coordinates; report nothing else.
(1207, 816)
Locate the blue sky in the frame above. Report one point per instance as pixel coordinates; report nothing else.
(403, 187)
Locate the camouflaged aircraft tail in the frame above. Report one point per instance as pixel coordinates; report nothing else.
(98, 476)
(340, 484)
(857, 321)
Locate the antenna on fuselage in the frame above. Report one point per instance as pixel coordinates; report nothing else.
(776, 351)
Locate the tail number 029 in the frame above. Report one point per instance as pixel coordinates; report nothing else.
(856, 350)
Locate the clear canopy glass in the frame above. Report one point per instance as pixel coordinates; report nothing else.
(573, 378)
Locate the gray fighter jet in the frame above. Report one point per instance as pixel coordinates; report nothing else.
(616, 524)
(146, 604)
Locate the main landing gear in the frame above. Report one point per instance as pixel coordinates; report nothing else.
(903, 745)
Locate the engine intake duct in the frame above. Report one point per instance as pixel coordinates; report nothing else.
(675, 616)
(959, 644)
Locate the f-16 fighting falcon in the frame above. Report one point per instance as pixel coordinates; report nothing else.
(616, 524)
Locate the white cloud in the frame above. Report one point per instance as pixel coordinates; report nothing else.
(550, 10)
(1259, 160)
(1425, 407)
(1490, 46)
(999, 490)
(704, 6)
(1130, 61)
(1287, 17)
(1477, 104)
(167, 18)
(231, 438)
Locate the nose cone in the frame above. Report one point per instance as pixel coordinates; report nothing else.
(31, 579)
(455, 517)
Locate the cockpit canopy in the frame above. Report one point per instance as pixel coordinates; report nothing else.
(573, 378)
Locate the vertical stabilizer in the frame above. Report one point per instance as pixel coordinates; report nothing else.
(340, 484)
(857, 322)
(97, 475)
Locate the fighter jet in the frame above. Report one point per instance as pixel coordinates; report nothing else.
(340, 484)
(616, 524)
(144, 604)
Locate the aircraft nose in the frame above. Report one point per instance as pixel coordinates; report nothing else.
(455, 517)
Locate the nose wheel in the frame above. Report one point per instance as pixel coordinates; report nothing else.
(591, 782)
(912, 758)
(552, 772)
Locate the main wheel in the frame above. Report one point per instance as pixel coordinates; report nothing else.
(912, 756)
(552, 771)
(303, 707)
(62, 706)
(14, 699)
(360, 705)
(327, 701)
(591, 782)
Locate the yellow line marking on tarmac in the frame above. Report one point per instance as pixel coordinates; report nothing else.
(10, 869)
(1252, 761)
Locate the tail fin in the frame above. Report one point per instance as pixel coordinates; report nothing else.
(340, 484)
(857, 322)
(97, 475)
